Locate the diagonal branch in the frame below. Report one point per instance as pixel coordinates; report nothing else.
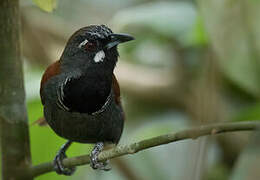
(192, 133)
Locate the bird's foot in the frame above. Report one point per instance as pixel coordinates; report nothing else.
(58, 166)
(94, 158)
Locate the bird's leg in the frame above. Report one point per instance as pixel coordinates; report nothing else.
(58, 166)
(94, 158)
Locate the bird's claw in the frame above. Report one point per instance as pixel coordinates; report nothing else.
(94, 158)
(99, 165)
(58, 166)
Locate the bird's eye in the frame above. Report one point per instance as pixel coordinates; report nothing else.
(90, 46)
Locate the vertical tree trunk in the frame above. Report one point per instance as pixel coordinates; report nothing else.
(14, 132)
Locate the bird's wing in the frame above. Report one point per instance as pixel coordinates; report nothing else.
(52, 70)
(116, 89)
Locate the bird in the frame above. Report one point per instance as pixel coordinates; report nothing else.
(81, 95)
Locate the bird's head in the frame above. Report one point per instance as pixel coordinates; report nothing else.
(93, 45)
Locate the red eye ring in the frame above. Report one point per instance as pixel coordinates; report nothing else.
(90, 46)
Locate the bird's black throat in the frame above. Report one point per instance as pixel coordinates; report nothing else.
(89, 92)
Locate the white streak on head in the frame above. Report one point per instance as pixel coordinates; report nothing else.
(83, 43)
(100, 56)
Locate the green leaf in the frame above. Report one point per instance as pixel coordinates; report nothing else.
(251, 113)
(46, 5)
(199, 35)
(234, 34)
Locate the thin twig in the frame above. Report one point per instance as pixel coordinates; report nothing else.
(192, 133)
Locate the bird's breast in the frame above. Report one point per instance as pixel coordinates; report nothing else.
(105, 125)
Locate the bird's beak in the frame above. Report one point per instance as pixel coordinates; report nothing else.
(116, 39)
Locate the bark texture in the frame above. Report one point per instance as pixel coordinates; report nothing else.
(14, 132)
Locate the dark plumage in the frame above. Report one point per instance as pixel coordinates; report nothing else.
(81, 95)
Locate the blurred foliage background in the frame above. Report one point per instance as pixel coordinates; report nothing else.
(192, 63)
